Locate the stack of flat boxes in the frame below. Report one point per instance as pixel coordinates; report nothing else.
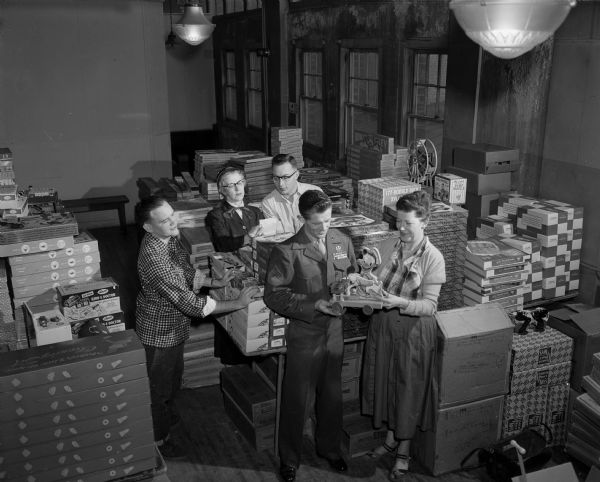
(191, 213)
(200, 367)
(207, 163)
(487, 169)
(71, 265)
(559, 229)
(92, 301)
(288, 140)
(375, 194)
(196, 242)
(469, 408)
(251, 405)
(539, 388)
(261, 251)
(327, 179)
(13, 204)
(532, 288)
(495, 272)
(583, 441)
(78, 410)
(493, 225)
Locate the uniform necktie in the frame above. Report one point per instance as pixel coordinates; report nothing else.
(321, 247)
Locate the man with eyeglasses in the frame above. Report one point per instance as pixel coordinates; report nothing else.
(282, 202)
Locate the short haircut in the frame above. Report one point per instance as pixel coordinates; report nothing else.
(229, 169)
(313, 201)
(418, 201)
(280, 159)
(145, 207)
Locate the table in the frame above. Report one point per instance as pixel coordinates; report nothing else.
(103, 203)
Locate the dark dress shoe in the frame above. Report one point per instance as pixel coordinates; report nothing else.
(339, 465)
(287, 473)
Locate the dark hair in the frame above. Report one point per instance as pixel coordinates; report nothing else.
(145, 207)
(418, 201)
(228, 169)
(280, 159)
(313, 201)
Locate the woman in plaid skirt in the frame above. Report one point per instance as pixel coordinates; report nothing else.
(398, 385)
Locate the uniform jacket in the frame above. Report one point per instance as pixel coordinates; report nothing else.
(297, 274)
(227, 229)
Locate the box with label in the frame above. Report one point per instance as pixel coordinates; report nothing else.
(359, 437)
(540, 349)
(113, 322)
(556, 412)
(20, 248)
(79, 271)
(458, 431)
(450, 188)
(51, 327)
(486, 158)
(583, 328)
(250, 393)
(492, 253)
(483, 183)
(522, 410)
(474, 353)
(48, 264)
(550, 375)
(493, 225)
(87, 300)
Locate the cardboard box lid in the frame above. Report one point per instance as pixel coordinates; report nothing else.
(473, 320)
(588, 321)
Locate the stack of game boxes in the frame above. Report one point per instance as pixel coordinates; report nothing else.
(493, 225)
(259, 174)
(288, 140)
(496, 272)
(207, 164)
(7, 175)
(200, 367)
(539, 385)
(329, 181)
(43, 200)
(374, 155)
(447, 231)
(12, 335)
(470, 395)
(77, 410)
(177, 189)
(583, 440)
(487, 169)
(92, 301)
(13, 203)
(251, 405)
(375, 194)
(191, 213)
(198, 244)
(532, 288)
(35, 276)
(558, 227)
(261, 251)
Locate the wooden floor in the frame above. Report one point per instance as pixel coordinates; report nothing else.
(217, 452)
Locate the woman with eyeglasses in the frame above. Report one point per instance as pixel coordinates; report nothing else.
(231, 224)
(398, 386)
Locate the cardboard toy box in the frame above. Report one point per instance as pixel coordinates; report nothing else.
(56, 264)
(51, 327)
(546, 376)
(78, 271)
(84, 243)
(250, 393)
(523, 410)
(540, 349)
(474, 353)
(458, 430)
(261, 438)
(358, 436)
(87, 300)
(450, 188)
(16, 249)
(583, 326)
(65, 361)
(483, 183)
(556, 412)
(486, 158)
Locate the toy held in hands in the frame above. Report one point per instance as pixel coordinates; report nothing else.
(360, 290)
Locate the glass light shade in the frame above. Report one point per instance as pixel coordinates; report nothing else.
(509, 28)
(194, 28)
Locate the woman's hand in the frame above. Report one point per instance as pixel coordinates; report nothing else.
(224, 281)
(247, 295)
(255, 231)
(393, 301)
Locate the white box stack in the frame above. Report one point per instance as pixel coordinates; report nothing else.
(288, 140)
(375, 194)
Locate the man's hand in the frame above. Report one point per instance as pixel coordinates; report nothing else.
(224, 281)
(248, 295)
(255, 231)
(326, 307)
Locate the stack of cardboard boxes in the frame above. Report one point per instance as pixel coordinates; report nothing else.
(288, 140)
(251, 405)
(76, 411)
(197, 243)
(539, 387)
(13, 203)
(200, 367)
(330, 181)
(487, 169)
(375, 194)
(261, 251)
(191, 213)
(473, 363)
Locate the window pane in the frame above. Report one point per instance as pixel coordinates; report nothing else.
(433, 69)
(373, 66)
(372, 93)
(420, 100)
(431, 107)
(421, 68)
(443, 68)
(442, 103)
(230, 104)
(312, 122)
(254, 108)
(360, 122)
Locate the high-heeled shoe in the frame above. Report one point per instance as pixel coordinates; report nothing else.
(400, 468)
(382, 450)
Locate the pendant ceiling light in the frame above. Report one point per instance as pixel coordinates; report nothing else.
(194, 28)
(509, 28)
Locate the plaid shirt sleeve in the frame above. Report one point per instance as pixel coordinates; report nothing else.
(183, 260)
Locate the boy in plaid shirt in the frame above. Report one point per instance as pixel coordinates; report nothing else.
(165, 304)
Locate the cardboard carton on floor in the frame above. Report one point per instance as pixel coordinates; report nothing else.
(359, 437)
(458, 430)
(474, 353)
(261, 438)
(558, 473)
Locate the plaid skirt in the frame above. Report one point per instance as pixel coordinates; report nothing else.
(399, 386)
